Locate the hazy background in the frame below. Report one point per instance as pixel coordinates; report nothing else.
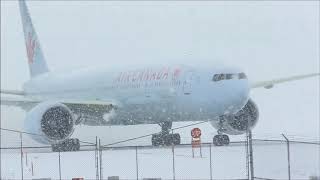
(267, 39)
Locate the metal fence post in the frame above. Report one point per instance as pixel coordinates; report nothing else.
(59, 166)
(288, 156)
(21, 155)
(247, 155)
(210, 162)
(137, 165)
(251, 155)
(100, 158)
(173, 164)
(96, 157)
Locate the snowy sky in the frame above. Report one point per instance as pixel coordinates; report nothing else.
(267, 39)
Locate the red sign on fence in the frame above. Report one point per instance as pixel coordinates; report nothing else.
(196, 133)
(196, 140)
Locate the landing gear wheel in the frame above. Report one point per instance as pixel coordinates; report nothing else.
(165, 139)
(176, 139)
(172, 139)
(157, 140)
(67, 145)
(221, 140)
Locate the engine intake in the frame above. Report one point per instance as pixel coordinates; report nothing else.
(54, 122)
(238, 123)
(57, 123)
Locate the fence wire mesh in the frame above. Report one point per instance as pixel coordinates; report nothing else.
(96, 161)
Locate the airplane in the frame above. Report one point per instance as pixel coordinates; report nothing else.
(57, 102)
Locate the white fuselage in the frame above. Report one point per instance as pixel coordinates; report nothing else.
(149, 95)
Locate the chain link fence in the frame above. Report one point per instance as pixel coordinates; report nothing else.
(271, 160)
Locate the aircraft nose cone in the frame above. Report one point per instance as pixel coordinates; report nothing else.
(244, 91)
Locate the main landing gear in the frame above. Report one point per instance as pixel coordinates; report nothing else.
(165, 138)
(66, 145)
(221, 139)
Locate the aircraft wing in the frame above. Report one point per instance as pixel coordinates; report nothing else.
(269, 84)
(18, 101)
(92, 112)
(27, 103)
(12, 92)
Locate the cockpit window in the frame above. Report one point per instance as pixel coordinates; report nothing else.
(216, 77)
(242, 76)
(219, 77)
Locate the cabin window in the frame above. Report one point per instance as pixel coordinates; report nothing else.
(229, 76)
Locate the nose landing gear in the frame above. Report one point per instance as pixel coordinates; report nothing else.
(221, 139)
(164, 138)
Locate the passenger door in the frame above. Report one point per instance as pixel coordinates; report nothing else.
(188, 82)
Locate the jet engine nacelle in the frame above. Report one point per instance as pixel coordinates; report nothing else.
(238, 123)
(51, 122)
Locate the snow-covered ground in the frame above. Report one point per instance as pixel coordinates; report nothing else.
(270, 161)
(270, 158)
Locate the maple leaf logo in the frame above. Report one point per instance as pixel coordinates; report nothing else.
(31, 44)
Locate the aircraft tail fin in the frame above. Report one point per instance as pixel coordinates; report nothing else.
(36, 60)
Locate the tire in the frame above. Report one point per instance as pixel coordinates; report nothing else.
(156, 140)
(221, 140)
(168, 140)
(176, 139)
(67, 145)
(217, 141)
(172, 139)
(225, 139)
